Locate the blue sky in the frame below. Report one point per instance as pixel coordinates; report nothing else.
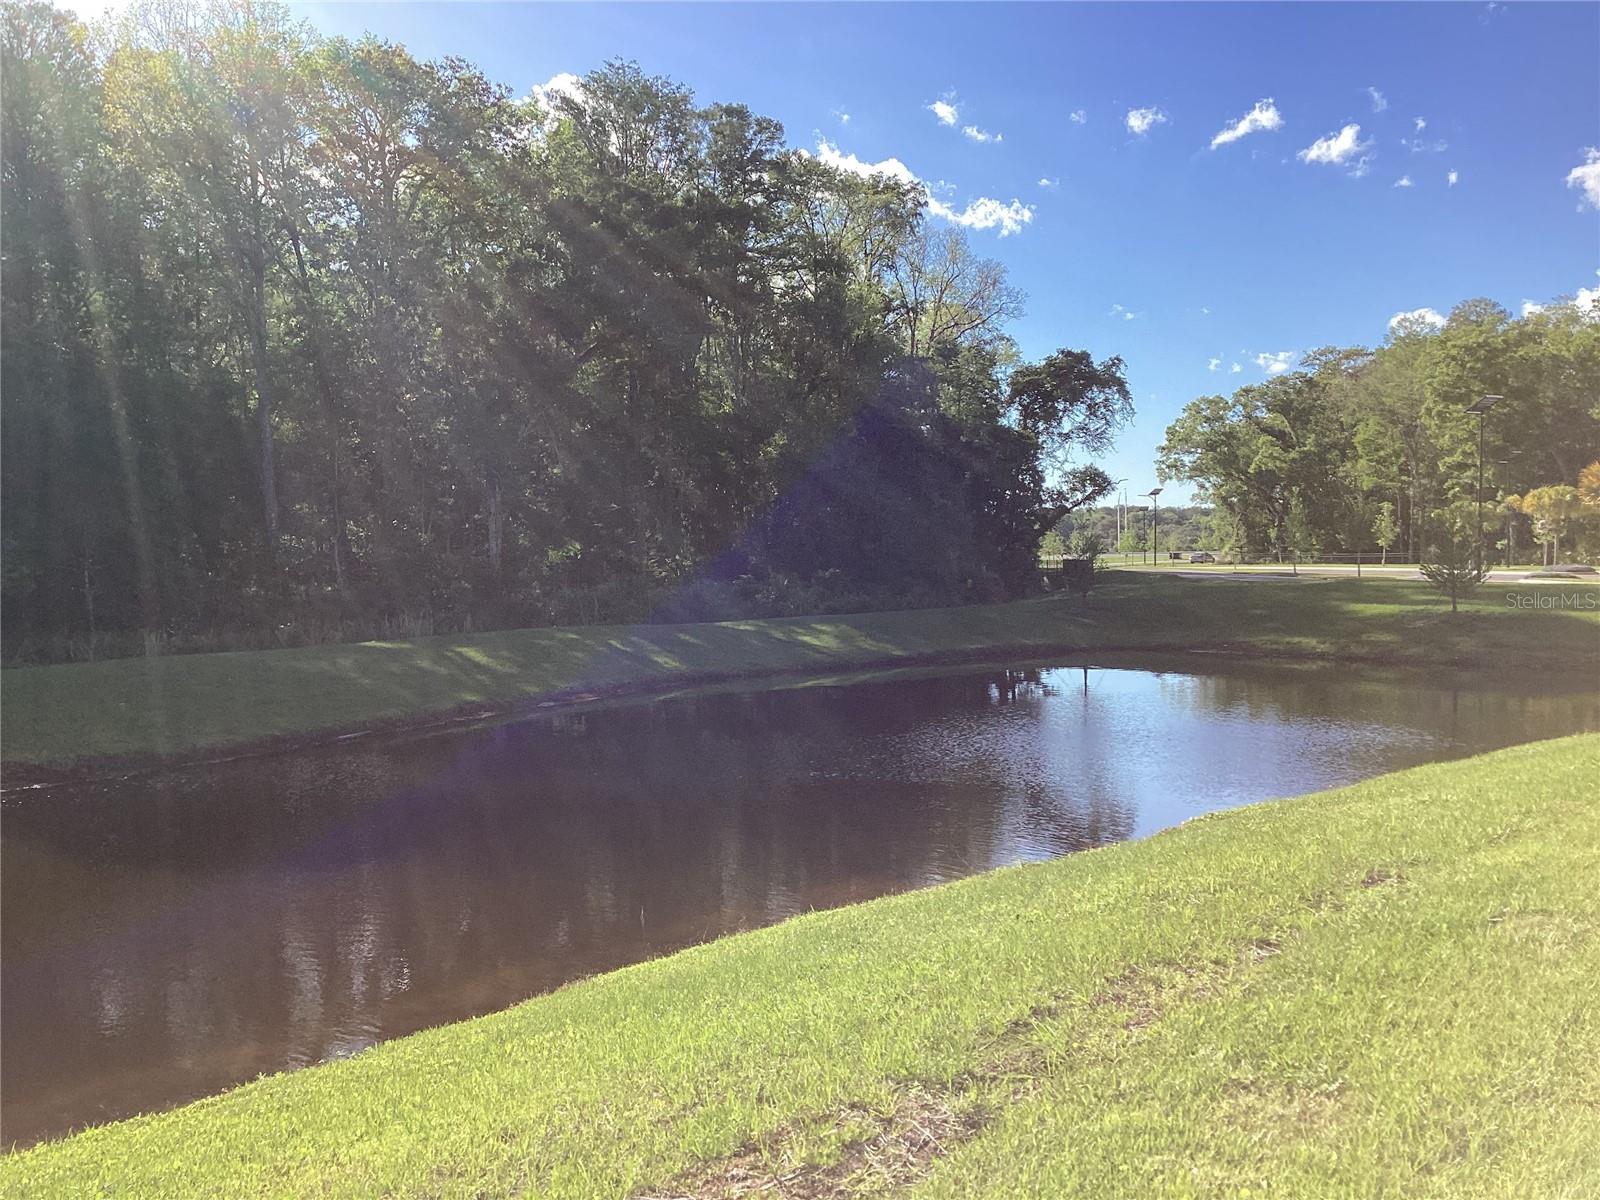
(1154, 245)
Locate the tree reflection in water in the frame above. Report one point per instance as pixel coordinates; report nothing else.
(169, 936)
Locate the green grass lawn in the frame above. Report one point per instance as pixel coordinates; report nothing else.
(1387, 989)
(188, 703)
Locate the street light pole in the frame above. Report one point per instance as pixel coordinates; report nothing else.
(1116, 505)
(1155, 521)
(1481, 407)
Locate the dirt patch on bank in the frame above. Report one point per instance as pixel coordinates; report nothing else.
(861, 1150)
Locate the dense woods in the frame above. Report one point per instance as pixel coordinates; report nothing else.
(1375, 451)
(307, 338)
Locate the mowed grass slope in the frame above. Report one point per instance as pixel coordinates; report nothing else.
(190, 703)
(1387, 989)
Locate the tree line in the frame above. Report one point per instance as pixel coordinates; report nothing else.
(1376, 451)
(306, 337)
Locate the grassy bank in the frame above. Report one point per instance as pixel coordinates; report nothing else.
(193, 703)
(1386, 989)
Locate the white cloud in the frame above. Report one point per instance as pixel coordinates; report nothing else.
(1450, 179)
(89, 11)
(1588, 299)
(1127, 314)
(1235, 369)
(892, 167)
(1049, 184)
(985, 213)
(945, 111)
(563, 84)
(1264, 116)
(1585, 300)
(1379, 100)
(1420, 123)
(1586, 178)
(1339, 148)
(1213, 364)
(1403, 182)
(841, 116)
(1419, 146)
(1275, 364)
(1077, 116)
(1417, 318)
(982, 135)
(1142, 120)
(982, 213)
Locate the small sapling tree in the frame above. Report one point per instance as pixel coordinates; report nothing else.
(1451, 562)
(1385, 529)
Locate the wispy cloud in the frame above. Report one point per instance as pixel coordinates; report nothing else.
(1077, 116)
(1275, 364)
(1585, 177)
(1049, 184)
(1451, 178)
(841, 116)
(1417, 318)
(1403, 182)
(1142, 120)
(1421, 123)
(1235, 369)
(1213, 364)
(1126, 314)
(1264, 117)
(947, 111)
(1425, 145)
(1340, 148)
(1379, 100)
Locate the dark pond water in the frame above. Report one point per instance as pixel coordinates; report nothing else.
(170, 936)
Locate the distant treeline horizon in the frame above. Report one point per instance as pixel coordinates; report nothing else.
(1379, 450)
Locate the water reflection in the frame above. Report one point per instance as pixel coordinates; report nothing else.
(167, 937)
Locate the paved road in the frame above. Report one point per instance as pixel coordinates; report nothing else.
(1278, 575)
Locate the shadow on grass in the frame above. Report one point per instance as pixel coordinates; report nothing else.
(167, 705)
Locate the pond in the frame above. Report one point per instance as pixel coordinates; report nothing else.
(169, 936)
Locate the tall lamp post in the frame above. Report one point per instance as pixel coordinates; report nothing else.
(1116, 501)
(1155, 521)
(1478, 409)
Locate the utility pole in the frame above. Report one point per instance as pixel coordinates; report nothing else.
(1155, 521)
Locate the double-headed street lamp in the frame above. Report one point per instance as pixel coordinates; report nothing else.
(1155, 521)
(1478, 409)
